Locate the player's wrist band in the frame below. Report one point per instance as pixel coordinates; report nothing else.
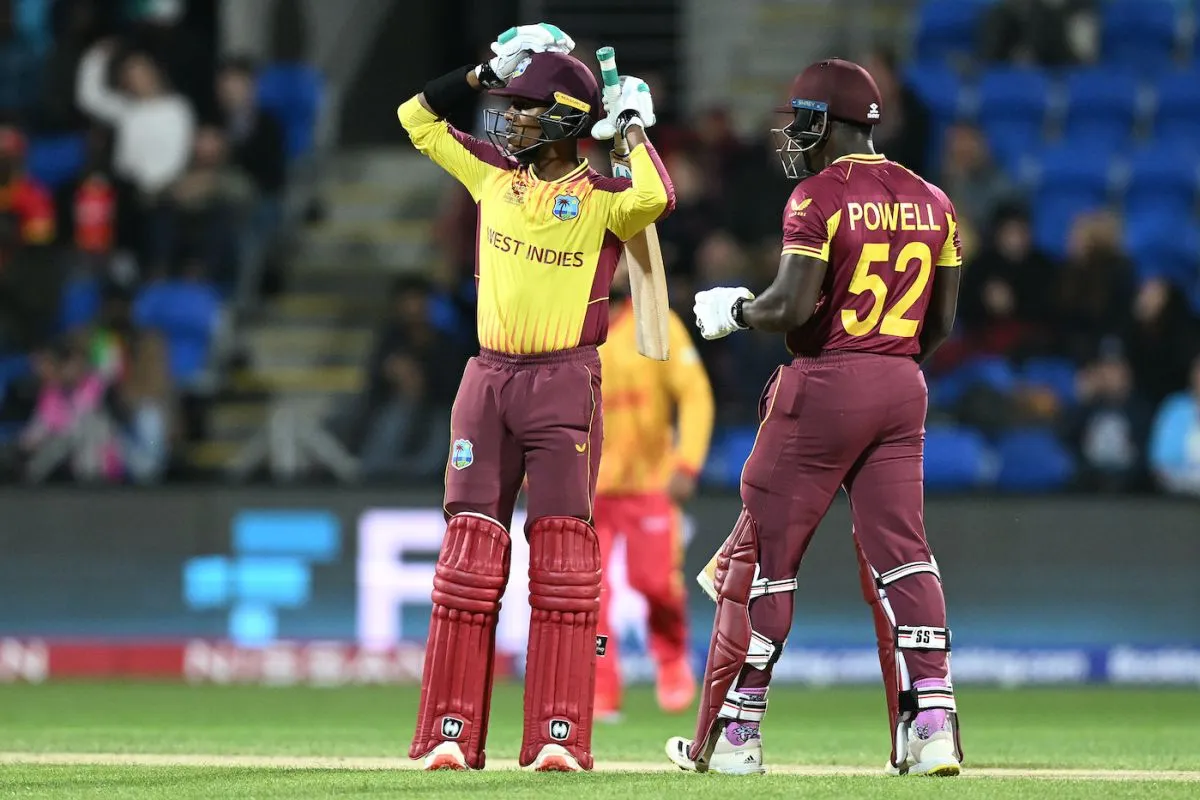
(450, 90)
(738, 315)
(627, 118)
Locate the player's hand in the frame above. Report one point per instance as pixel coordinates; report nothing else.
(714, 310)
(630, 105)
(682, 486)
(515, 45)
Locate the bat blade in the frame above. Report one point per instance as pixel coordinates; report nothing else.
(647, 285)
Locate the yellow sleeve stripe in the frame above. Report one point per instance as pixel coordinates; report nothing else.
(821, 253)
(950, 255)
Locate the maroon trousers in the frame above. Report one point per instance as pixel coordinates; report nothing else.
(854, 421)
(537, 415)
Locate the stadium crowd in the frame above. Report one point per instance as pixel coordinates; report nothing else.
(1076, 361)
(140, 189)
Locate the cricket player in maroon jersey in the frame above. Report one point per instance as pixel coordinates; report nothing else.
(866, 290)
(550, 235)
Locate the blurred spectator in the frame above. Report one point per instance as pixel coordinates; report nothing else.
(695, 217)
(69, 426)
(146, 404)
(757, 191)
(1094, 286)
(1175, 445)
(187, 57)
(1004, 299)
(202, 215)
(256, 146)
(1048, 33)
(718, 151)
(1162, 338)
(1110, 426)
(972, 180)
(153, 129)
(27, 206)
(413, 375)
(905, 131)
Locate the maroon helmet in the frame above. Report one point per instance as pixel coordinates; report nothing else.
(559, 81)
(828, 90)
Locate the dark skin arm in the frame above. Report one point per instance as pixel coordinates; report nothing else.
(939, 319)
(789, 302)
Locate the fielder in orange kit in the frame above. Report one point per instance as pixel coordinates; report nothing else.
(658, 420)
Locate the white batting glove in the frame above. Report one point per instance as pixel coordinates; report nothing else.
(515, 44)
(631, 105)
(714, 311)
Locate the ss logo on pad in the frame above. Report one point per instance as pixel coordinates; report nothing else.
(560, 730)
(452, 727)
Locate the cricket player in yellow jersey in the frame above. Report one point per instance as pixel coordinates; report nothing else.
(657, 427)
(550, 235)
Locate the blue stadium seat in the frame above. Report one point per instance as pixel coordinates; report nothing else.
(56, 160)
(1163, 180)
(948, 29)
(1032, 461)
(938, 86)
(1102, 106)
(79, 303)
(1167, 248)
(1054, 374)
(1139, 34)
(1177, 108)
(956, 459)
(187, 315)
(294, 93)
(727, 455)
(1070, 180)
(1011, 111)
(991, 371)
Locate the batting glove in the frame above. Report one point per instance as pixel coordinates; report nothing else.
(515, 45)
(630, 105)
(714, 311)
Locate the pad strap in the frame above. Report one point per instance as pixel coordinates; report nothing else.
(763, 652)
(742, 707)
(922, 637)
(762, 586)
(906, 570)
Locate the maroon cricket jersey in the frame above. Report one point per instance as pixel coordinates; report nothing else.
(883, 230)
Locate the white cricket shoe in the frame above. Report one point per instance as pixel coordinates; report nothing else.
(447, 755)
(555, 758)
(931, 757)
(726, 759)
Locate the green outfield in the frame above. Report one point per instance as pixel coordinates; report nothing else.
(170, 741)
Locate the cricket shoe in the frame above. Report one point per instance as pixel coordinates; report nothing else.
(555, 758)
(447, 755)
(729, 757)
(931, 750)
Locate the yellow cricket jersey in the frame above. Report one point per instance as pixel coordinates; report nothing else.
(643, 446)
(545, 250)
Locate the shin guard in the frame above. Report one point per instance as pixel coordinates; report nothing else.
(734, 643)
(456, 683)
(903, 699)
(560, 666)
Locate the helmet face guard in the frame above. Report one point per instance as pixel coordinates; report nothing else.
(560, 121)
(807, 131)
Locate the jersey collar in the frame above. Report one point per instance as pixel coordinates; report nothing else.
(570, 176)
(862, 158)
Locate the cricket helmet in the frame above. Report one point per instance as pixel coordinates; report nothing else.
(833, 89)
(559, 81)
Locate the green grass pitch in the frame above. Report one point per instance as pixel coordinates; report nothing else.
(174, 741)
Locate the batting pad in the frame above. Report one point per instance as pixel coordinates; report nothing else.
(560, 666)
(456, 683)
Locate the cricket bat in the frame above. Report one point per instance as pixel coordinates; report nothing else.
(642, 255)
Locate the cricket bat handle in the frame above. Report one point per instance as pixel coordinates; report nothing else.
(611, 80)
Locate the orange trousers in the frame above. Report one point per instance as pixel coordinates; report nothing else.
(652, 527)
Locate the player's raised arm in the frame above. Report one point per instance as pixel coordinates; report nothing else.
(423, 116)
(652, 195)
(943, 302)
